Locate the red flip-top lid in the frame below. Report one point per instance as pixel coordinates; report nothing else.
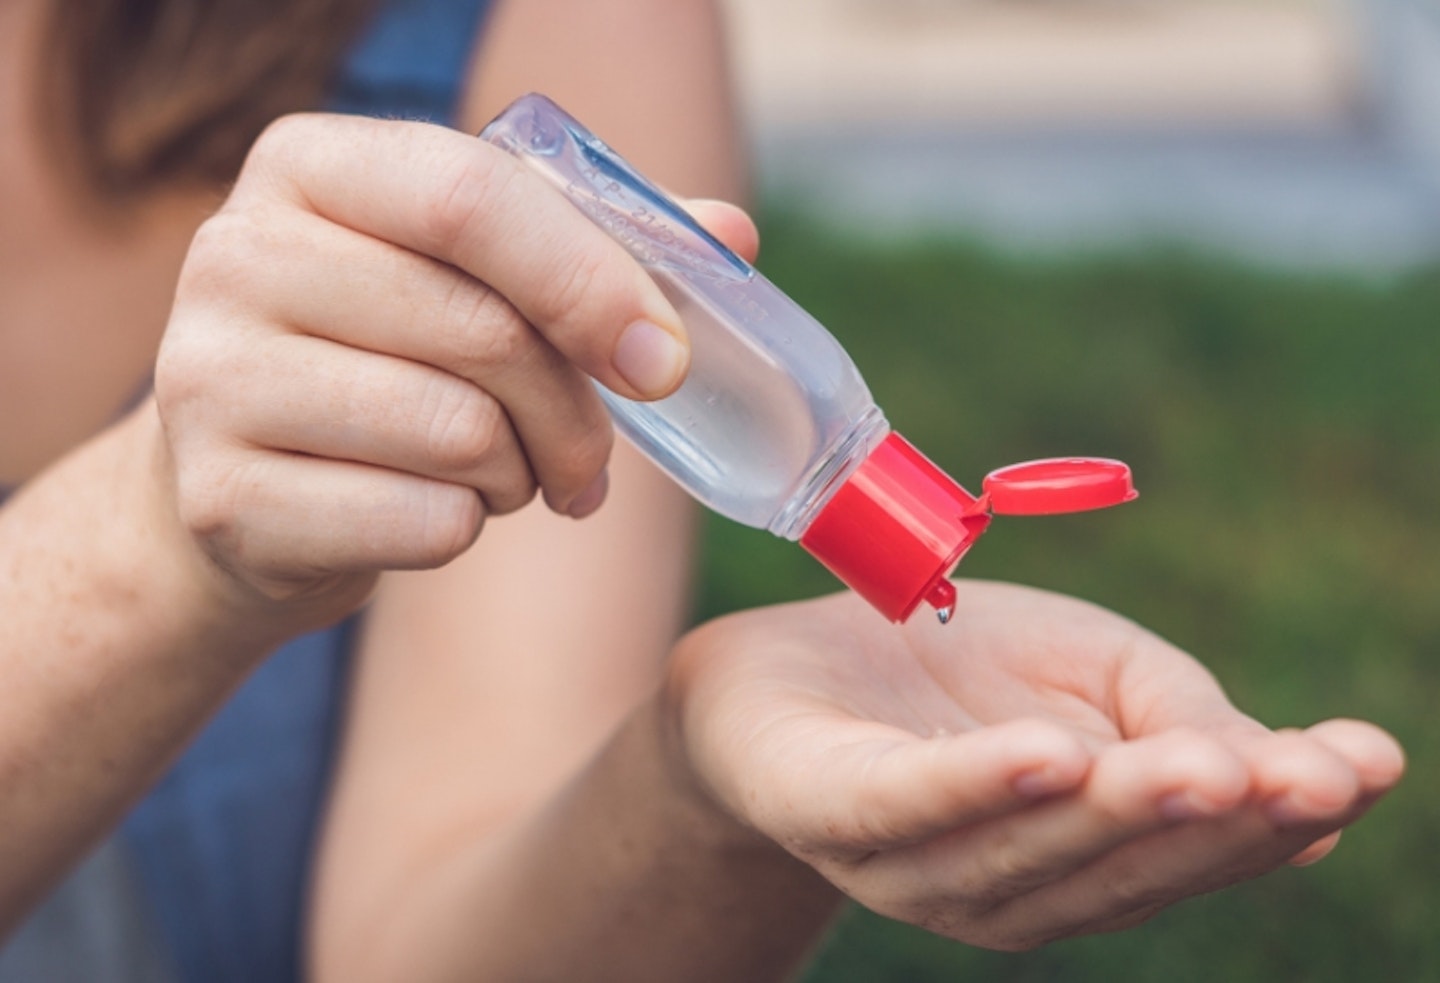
(1061, 484)
(895, 529)
(899, 525)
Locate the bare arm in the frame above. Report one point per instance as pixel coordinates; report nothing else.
(106, 611)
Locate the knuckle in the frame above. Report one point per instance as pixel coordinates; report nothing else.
(230, 257)
(280, 138)
(463, 428)
(187, 378)
(274, 156)
(209, 502)
(207, 266)
(572, 290)
(463, 202)
(476, 325)
(502, 342)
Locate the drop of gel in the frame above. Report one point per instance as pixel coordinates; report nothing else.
(941, 597)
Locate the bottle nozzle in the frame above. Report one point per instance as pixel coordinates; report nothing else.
(942, 599)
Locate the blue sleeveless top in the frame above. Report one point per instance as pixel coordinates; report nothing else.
(206, 879)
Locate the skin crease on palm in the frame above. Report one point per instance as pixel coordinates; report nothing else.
(1037, 769)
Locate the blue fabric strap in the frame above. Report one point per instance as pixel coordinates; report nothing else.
(413, 61)
(223, 843)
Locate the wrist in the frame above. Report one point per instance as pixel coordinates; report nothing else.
(685, 767)
(708, 826)
(661, 722)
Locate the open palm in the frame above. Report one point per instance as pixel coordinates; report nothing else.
(1039, 768)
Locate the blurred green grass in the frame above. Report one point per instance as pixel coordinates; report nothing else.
(1285, 435)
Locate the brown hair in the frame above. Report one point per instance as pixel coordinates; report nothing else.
(144, 93)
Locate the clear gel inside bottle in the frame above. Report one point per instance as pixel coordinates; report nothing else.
(773, 413)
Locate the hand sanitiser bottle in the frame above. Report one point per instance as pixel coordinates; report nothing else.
(773, 427)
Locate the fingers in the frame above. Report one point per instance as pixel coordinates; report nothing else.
(1377, 758)
(447, 195)
(1321, 776)
(1140, 878)
(1133, 789)
(1131, 852)
(339, 516)
(405, 416)
(1307, 786)
(1298, 780)
(1377, 763)
(408, 313)
(404, 304)
(882, 794)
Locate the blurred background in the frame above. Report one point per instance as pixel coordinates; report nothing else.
(1199, 235)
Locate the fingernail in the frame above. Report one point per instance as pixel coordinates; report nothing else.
(1041, 781)
(1306, 859)
(1286, 810)
(590, 499)
(1185, 805)
(650, 358)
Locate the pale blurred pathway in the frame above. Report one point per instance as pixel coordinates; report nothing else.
(1287, 130)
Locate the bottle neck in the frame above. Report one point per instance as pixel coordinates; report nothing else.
(832, 470)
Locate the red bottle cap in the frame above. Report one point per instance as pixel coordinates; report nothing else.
(899, 525)
(895, 530)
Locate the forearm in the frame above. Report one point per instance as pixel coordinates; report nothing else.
(112, 654)
(626, 875)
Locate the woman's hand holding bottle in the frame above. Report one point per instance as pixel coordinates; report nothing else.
(383, 337)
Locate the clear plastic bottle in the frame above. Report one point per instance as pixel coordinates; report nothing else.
(773, 427)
